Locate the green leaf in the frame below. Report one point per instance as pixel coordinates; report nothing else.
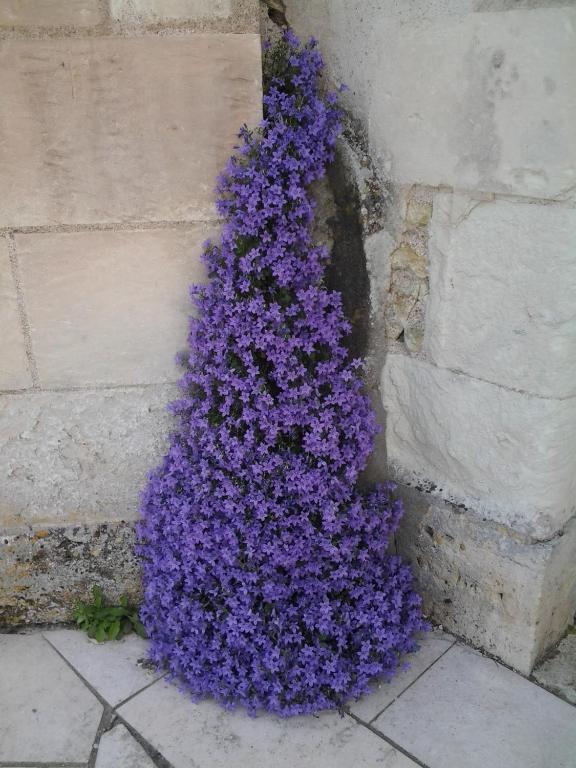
(139, 628)
(100, 634)
(114, 630)
(98, 596)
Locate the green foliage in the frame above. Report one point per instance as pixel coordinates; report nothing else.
(102, 621)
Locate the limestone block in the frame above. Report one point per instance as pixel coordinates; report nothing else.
(46, 570)
(503, 287)
(477, 101)
(157, 11)
(506, 454)
(109, 307)
(49, 13)
(14, 373)
(79, 457)
(487, 584)
(121, 129)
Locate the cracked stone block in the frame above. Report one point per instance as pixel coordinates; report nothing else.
(114, 669)
(119, 749)
(205, 735)
(109, 308)
(49, 13)
(508, 455)
(557, 672)
(495, 111)
(503, 592)
(116, 130)
(72, 458)
(47, 715)
(14, 373)
(502, 287)
(47, 570)
(470, 711)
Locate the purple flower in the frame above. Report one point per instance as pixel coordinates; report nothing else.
(266, 573)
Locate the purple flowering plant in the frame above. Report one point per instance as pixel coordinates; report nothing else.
(267, 578)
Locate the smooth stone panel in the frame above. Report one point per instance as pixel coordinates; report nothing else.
(207, 736)
(432, 645)
(111, 668)
(14, 372)
(49, 13)
(109, 307)
(46, 713)
(100, 130)
(158, 11)
(469, 710)
(119, 749)
(508, 455)
(502, 287)
(79, 457)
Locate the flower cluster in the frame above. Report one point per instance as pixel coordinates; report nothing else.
(267, 582)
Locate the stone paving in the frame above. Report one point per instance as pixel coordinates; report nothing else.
(68, 702)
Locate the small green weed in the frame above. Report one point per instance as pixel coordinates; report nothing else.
(107, 622)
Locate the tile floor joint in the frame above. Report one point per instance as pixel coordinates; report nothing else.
(389, 741)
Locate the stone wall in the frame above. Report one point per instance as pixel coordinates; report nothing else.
(462, 118)
(116, 119)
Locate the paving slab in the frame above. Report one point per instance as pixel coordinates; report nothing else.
(203, 735)
(558, 672)
(119, 749)
(46, 713)
(111, 668)
(432, 646)
(468, 710)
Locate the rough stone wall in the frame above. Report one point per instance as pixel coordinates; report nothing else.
(462, 147)
(116, 119)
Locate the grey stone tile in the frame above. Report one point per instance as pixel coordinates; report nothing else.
(432, 645)
(46, 713)
(204, 735)
(558, 672)
(119, 749)
(470, 711)
(111, 668)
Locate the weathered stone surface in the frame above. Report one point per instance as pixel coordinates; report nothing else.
(506, 454)
(177, 728)
(469, 711)
(45, 571)
(157, 11)
(432, 645)
(492, 109)
(504, 121)
(118, 749)
(496, 589)
(557, 673)
(47, 715)
(14, 373)
(113, 669)
(79, 457)
(118, 130)
(49, 13)
(502, 287)
(109, 307)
